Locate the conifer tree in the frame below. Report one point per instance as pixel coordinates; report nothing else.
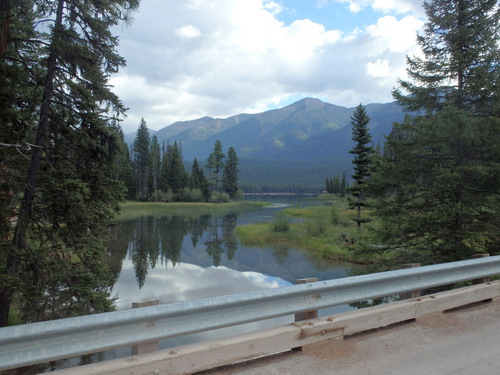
(439, 179)
(177, 176)
(68, 113)
(230, 173)
(215, 163)
(155, 166)
(362, 160)
(141, 156)
(343, 185)
(199, 179)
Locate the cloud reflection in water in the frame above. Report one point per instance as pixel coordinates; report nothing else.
(186, 282)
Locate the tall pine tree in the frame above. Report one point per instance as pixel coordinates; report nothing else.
(230, 173)
(141, 156)
(439, 182)
(362, 161)
(155, 153)
(215, 164)
(57, 261)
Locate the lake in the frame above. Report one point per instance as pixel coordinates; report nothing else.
(175, 258)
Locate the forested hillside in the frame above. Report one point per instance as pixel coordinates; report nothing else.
(291, 148)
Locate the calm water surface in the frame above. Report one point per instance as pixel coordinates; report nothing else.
(174, 258)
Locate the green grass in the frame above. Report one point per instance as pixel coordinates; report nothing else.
(321, 229)
(131, 210)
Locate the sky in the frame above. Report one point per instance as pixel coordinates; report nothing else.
(187, 59)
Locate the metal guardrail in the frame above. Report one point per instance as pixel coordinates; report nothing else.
(46, 341)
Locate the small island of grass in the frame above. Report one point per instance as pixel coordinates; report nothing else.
(327, 229)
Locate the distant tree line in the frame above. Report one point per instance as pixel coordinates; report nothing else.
(336, 185)
(158, 173)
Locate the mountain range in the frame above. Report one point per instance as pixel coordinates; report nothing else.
(295, 146)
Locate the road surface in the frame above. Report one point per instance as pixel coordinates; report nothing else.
(461, 342)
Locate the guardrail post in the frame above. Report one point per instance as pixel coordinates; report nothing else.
(312, 314)
(483, 279)
(307, 314)
(415, 293)
(151, 346)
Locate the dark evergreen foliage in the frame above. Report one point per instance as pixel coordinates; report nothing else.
(439, 180)
(362, 161)
(141, 157)
(230, 173)
(54, 81)
(215, 163)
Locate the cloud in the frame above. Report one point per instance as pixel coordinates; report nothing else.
(223, 57)
(384, 6)
(188, 31)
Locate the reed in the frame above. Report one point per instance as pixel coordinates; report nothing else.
(132, 210)
(326, 230)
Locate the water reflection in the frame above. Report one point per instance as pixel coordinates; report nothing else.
(176, 258)
(189, 282)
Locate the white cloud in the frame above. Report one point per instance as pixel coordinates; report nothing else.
(379, 68)
(223, 57)
(188, 31)
(385, 6)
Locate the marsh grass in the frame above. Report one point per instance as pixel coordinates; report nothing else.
(327, 230)
(133, 210)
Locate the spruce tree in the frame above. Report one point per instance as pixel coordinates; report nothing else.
(460, 63)
(141, 156)
(335, 183)
(215, 163)
(362, 161)
(57, 261)
(199, 179)
(177, 177)
(343, 185)
(155, 166)
(230, 173)
(439, 179)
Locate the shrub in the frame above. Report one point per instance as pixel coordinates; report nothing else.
(239, 195)
(196, 195)
(163, 196)
(281, 223)
(334, 215)
(319, 222)
(218, 197)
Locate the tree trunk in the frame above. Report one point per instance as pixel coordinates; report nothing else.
(19, 241)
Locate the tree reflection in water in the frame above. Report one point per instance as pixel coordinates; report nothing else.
(160, 239)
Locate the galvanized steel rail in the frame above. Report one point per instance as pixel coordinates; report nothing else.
(46, 341)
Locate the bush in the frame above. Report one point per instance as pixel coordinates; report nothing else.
(334, 215)
(319, 222)
(218, 197)
(163, 196)
(192, 195)
(281, 223)
(196, 195)
(239, 195)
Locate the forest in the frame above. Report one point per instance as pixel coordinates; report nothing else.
(434, 189)
(157, 173)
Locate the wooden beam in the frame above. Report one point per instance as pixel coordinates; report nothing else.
(206, 355)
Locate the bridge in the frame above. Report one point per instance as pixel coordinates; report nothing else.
(46, 341)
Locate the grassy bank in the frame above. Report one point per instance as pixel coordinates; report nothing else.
(326, 229)
(131, 210)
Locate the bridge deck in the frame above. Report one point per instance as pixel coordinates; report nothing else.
(464, 341)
